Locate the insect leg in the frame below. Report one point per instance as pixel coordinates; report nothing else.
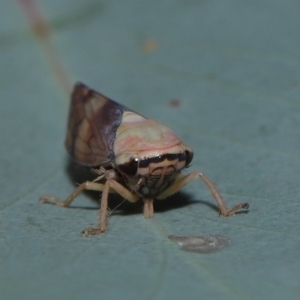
(148, 208)
(182, 181)
(88, 185)
(120, 189)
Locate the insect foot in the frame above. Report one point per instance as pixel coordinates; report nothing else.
(91, 231)
(236, 208)
(50, 199)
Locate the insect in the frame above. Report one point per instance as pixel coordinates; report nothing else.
(133, 156)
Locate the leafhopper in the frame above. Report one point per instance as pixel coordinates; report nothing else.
(133, 156)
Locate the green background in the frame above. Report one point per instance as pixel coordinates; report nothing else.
(235, 67)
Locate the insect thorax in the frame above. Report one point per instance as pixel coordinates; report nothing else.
(149, 177)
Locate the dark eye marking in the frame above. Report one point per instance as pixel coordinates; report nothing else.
(189, 157)
(130, 168)
(144, 163)
(171, 156)
(181, 156)
(157, 159)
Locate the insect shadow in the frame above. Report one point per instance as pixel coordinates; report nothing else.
(79, 174)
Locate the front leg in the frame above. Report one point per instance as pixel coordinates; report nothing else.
(120, 189)
(105, 188)
(148, 208)
(88, 185)
(183, 181)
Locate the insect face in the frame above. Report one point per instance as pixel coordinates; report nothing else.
(149, 155)
(149, 176)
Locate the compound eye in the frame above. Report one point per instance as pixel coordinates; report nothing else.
(129, 167)
(189, 157)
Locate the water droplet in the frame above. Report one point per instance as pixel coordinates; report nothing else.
(201, 243)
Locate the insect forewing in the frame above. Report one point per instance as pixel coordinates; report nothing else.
(92, 126)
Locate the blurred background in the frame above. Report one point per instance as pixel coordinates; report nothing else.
(224, 75)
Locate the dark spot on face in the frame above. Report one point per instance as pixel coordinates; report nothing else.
(129, 168)
(144, 163)
(181, 156)
(171, 156)
(186, 156)
(189, 157)
(157, 159)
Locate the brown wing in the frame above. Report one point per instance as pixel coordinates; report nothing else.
(93, 122)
